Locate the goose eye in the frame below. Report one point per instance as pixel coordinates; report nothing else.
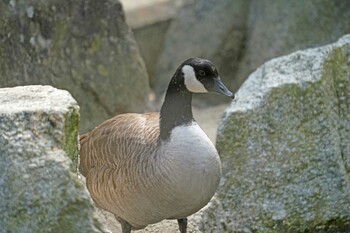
(201, 73)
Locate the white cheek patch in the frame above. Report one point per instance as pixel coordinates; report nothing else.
(191, 82)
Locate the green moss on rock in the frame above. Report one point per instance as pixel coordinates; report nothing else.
(337, 67)
(70, 136)
(40, 191)
(285, 142)
(81, 46)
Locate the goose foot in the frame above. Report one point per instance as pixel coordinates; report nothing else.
(126, 227)
(182, 225)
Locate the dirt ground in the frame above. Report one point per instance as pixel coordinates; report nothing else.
(208, 118)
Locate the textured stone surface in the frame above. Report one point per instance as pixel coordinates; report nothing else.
(150, 40)
(141, 13)
(284, 143)
(149, 21)
(278, 28)
(82, 46)
(39, 191)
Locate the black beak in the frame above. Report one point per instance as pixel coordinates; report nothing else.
(220, 88)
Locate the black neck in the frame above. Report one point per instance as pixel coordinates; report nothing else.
(176, 109)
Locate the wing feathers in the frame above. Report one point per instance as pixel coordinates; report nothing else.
(120, 141)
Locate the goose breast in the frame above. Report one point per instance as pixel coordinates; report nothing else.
(195, 169)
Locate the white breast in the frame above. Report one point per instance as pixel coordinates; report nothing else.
(195, 167)
(189, 145)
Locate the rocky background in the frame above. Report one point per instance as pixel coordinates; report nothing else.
(284, 141)
(82, 46)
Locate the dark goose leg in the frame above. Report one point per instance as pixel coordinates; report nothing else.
(126, 228)
(182, 225)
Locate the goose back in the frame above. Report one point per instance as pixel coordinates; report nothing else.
(120, 141)
(119, 161)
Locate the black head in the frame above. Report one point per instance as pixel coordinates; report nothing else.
(201, 76)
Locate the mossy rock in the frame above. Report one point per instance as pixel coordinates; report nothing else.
(81, 46)
(284, 142)
(40, 191)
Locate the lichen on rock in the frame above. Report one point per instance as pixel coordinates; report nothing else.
(284, 143)
(39, 189)
(81, 46)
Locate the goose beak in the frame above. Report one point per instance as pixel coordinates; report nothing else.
(220, 88)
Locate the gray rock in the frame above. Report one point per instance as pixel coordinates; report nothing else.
(149, 21)
(82, 46)
(150, 39)
(280, 27)
(39, 190)
(284, 143)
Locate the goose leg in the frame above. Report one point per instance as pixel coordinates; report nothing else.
(182, 225)
(126, 228)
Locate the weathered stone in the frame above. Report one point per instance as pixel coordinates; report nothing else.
(150, 40)
(39, 191)
(149, 21)
(142, 13)
(82, 46)
(280, 27)
(284, 143)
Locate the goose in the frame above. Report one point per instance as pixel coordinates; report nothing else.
(145, 168)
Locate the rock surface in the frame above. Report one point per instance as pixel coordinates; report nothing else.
(149, 21)
(39, 191)
(284, 143)
(142, 13)
(278, 28)
(83, 46)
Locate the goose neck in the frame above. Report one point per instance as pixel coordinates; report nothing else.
(176, 109)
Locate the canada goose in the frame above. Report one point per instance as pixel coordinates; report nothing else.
(145, 168)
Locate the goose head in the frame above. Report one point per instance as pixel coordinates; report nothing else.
(201, 76)
(194, 75)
